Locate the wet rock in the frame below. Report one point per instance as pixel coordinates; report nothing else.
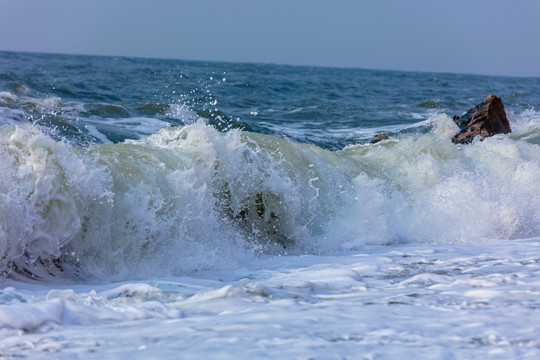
(378, 138)
(486, 119)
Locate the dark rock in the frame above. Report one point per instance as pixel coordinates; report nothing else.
(378, 138)
(486, 119)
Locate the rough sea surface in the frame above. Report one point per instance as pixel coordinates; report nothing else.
(179, 209)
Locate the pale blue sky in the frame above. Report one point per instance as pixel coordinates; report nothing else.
(499, 37)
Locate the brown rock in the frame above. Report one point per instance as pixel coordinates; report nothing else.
(486, 119)
(378, 138)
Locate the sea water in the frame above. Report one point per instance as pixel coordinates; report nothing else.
(179, 209)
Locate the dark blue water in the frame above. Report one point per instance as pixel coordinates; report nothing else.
(328, 107)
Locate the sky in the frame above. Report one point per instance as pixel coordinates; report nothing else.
(497, 37)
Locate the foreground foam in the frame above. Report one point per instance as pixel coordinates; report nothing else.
(444, 301)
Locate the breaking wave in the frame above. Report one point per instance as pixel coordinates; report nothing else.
(192, 197)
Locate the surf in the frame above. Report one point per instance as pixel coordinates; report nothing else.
(192, 197)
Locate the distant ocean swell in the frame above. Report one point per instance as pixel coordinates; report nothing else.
(192, 197)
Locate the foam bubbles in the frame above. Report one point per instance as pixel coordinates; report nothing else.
(43, 191)
(191, 197)
(7, 97)
(430, 190)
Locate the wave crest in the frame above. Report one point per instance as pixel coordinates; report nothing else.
(192, 197)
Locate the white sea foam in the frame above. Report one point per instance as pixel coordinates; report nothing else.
(430, 301)
(525, 118)
(10, 116)
(203, 205)
(133, 127)
(7, 97)
(41, 214)
(191, 243)
(191, 197)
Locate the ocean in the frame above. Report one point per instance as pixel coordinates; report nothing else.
(155, 209)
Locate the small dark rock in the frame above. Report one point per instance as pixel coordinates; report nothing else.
(378, 138)
(486, 119)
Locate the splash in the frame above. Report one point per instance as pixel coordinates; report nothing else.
(191, 197)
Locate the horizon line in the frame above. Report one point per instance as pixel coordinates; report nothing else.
(264, 63)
